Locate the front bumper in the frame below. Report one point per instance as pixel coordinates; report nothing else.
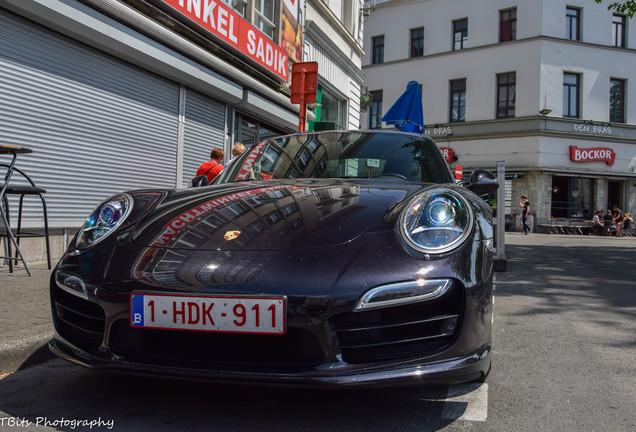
(467, 368)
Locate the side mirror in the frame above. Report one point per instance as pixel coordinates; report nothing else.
(199, 181)
(482, 182)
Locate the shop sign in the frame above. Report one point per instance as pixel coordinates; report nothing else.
(448, 154)
(599, 154)
(222, 22)
(594, 129)
(436, 131)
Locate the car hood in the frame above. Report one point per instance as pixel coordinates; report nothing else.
(270, 215)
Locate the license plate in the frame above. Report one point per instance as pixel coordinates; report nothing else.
(256, 315)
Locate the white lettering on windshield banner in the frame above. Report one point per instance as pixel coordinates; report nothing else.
(187, 217)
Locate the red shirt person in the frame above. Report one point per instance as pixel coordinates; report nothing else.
(213, 167)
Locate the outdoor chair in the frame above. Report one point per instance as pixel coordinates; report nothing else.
(21, 187)
(628, 226)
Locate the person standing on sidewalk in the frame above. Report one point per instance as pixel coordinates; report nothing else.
(525, 210)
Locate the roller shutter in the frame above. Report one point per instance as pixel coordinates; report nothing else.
(97, 125)
(204, 130)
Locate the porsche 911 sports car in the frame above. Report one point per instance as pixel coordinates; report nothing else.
(340, 258)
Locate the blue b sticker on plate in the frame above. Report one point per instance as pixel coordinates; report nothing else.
(137, 310)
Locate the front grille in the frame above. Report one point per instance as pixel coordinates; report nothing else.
(419, 329)
(77, 320)
(296, 349)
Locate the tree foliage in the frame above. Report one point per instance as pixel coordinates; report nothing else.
(627, 7)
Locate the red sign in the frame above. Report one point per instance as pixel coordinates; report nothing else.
(599, 154)
(459, 172)
(304, 84)
(448, 154)
(231, 28)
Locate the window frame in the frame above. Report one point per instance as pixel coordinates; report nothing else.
(569, 91)
(459, 45)
(377, 49)
(508, 26)
(414, 40)
(573, 23)
(509, 89)
(334, 107)
(617, 115)
(622, 25)
(457, 102)
(375, 110)
(270, 22)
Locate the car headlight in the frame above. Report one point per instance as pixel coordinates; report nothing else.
(436, 221)
(104, 220)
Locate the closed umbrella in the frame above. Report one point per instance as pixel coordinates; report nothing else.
(407, 114)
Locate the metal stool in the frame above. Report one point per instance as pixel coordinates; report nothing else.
(22, 189)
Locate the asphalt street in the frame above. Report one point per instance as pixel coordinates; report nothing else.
(564, 358)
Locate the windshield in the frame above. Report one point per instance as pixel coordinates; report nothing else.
(342, 154)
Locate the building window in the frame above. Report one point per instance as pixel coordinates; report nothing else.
(572, 197)
(348, 15)
(265, 16)
(571, 90)
(506, 94)
(240, 6)
(573, 23)
(458, 100)
(375, 112)
(508, 25)
(618, 30)
(417, 42)
(377, 50)
(333, 108)
(617, 101)
(460, 34)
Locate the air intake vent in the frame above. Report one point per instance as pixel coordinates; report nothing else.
(78, 321)
(413, 330)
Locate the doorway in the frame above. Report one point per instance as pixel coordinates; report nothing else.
(613, 194)
(250, 131)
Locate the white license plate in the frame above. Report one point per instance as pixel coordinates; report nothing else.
(264, 315)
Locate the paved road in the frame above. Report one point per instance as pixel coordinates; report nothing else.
(564, 359)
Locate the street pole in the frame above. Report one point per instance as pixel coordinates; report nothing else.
(500, 220)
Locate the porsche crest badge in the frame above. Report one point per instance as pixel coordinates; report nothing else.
(231, 235)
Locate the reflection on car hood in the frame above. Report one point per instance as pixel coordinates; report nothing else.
(264, 215)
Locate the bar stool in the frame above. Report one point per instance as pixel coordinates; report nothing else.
(22, 189)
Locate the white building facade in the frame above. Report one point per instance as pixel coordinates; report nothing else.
(114, 95)
(543, 85)
(333, 38)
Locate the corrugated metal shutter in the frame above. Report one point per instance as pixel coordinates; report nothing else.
(204, 130)
(97, 125)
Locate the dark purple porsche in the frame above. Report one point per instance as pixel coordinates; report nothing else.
(341, 258)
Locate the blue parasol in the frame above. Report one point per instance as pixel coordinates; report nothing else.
(407, 114)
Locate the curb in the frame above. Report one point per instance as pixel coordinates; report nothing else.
(28, 352)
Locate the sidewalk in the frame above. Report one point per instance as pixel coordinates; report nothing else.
(25, 317)
(25, 311)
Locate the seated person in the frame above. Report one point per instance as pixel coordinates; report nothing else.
(628, 223)
(608, 221)
(599, 227)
